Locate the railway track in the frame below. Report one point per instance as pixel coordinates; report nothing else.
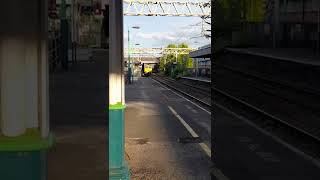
(304, 126)
(308, 142)
(199, 95)
(266, 114)
(306, 137)
(295, 90)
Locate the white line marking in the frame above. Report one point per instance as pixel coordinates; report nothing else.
(216, 172)
(191, 131)
(183, 97)
(278, 140)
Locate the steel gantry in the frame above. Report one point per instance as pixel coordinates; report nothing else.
(156, 52)
(167, 8)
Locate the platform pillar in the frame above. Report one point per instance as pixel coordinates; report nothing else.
(24, 122)
(118, 168)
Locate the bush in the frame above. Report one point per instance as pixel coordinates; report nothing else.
(178, 71)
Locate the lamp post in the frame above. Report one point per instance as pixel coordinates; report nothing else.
(138, 58)
(129, 59)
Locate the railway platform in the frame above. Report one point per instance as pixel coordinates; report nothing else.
(158, 136)
(297, 67)
(78, 119)
(297, 55)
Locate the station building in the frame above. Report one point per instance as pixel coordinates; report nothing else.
(201, 62)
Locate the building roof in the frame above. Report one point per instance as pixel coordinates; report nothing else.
(202, 52)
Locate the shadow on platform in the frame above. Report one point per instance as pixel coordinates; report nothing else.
(78, 104)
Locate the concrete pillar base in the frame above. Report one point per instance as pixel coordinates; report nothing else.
(122, 173)
(118, 168)
(22, 165)
(24, 157)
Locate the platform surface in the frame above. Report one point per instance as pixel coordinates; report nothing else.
(152, 133)
(78, 106)
(297, 55)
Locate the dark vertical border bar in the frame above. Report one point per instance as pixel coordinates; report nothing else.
(213, 40)
(106, 27)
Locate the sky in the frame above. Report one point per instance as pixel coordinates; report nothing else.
(161, 31)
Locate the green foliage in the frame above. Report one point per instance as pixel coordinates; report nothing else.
(174, 66)
(168, 68)
(228, 16)
(171, 46)
(183, 45)
(189, 63)
(178, 71)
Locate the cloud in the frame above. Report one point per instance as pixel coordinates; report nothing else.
(178, 35)
(179, 32)
(157, 36)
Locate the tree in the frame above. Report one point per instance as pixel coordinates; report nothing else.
(172, 65)
(183, 45)
(171, 46)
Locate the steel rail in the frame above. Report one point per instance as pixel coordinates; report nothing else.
(252, 107)
(198, 89)
(275, 81)
(270, 116)
(182, 92)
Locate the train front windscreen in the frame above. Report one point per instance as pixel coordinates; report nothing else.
(147, 69)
